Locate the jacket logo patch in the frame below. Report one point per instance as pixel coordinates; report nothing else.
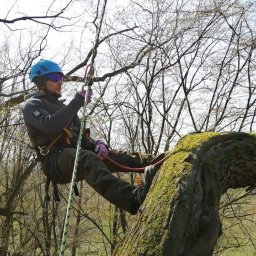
(36, 113)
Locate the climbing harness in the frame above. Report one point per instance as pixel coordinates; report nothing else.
(88, 78)
(43, 151)
(65, 133)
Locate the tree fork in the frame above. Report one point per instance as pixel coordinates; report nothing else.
(180, 215)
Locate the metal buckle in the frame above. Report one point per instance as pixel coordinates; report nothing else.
(42, 151)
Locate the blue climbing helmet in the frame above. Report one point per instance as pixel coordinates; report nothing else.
(44, 67)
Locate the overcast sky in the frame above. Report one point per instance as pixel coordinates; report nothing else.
(57, 42)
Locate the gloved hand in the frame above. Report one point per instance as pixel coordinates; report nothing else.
(101, 149)
(88, 95)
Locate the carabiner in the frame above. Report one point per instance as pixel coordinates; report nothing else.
(89, 72)
(42, 151)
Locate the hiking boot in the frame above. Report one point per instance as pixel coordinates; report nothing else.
(141, 191)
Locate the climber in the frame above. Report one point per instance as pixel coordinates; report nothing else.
(53, 128)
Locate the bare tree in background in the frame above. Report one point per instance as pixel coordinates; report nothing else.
(198, 78)
(163, 69)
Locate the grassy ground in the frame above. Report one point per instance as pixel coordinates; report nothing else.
(239, 224)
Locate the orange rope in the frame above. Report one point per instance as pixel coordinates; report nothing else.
(124, 168)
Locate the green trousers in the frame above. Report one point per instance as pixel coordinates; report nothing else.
(97, 173)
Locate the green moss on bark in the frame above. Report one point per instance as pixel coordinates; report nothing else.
(180, 213)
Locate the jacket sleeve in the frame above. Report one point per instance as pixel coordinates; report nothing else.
(37, 115)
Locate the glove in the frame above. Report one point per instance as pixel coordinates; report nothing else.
(101, 149)
(88, 95)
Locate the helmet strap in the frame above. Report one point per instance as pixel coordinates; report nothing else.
(40, 83)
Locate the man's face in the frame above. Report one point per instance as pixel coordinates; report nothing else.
(53, 83)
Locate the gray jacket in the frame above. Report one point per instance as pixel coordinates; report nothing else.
(45, 116)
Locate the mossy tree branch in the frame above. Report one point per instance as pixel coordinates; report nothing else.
(180, 214)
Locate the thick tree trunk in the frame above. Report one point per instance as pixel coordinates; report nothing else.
(180, 214)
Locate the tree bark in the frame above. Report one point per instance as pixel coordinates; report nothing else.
(180, 214)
